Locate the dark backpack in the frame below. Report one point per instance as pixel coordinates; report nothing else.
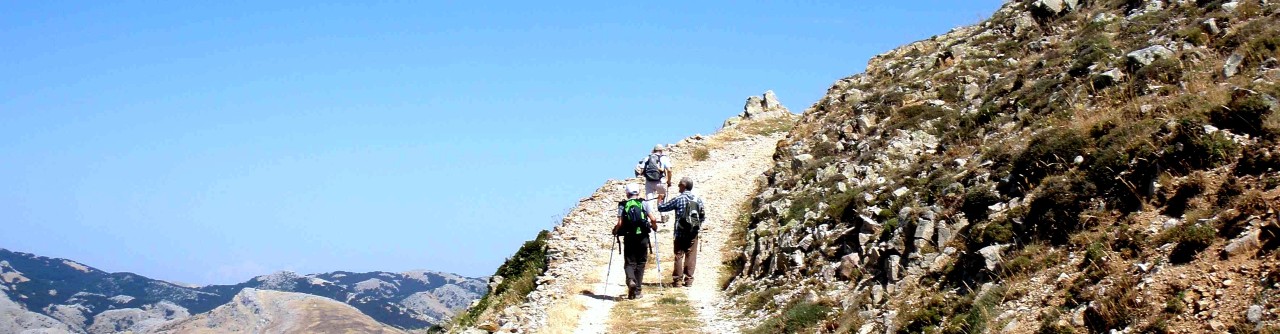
(634, 219)
(653, 168)
(691, 222)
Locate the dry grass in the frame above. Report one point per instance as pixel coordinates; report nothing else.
(662, 310)
(563, 317)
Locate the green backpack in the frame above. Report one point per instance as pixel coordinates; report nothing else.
(634, 219)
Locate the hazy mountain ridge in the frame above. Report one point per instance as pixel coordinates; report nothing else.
(88, 300)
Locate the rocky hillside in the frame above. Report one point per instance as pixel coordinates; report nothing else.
(82, 299)
(1065, 166)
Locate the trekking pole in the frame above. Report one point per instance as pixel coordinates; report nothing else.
(657, 258)
(609, 270)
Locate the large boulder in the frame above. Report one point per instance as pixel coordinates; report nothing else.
(1149, 55)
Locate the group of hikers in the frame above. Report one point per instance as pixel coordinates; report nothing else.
(638, 218)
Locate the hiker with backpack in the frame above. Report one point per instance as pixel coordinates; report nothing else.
(690, 213)
(655, 168)
(634, 226)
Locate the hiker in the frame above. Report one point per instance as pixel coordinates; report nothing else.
(634, 225)
(690, 213)
(654, 168)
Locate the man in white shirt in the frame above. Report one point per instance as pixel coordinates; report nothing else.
(656, 170)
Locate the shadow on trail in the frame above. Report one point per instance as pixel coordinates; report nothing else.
(600, 297)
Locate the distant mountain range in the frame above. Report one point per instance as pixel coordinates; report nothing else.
(63, 295)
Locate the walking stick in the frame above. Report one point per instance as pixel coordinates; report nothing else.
(609, 270)
(657, 258)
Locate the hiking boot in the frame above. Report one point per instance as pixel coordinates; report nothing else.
(688, 282)
(676, 281)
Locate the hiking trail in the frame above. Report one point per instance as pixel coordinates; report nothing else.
(572, 295)
(724, 180)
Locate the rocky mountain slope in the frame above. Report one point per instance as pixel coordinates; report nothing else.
(1065, 166)
(82, 299)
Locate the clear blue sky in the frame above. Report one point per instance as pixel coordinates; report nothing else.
(210, 143)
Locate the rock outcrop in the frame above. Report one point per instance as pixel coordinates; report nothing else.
(759, 108)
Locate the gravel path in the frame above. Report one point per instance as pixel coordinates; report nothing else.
(725, 181)
(572, 295)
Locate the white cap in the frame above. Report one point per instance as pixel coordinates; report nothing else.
(632, 189)
(658, 148)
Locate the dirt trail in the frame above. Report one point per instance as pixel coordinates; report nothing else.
(727, 180)
(724, 179)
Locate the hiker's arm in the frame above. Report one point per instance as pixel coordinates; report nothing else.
(617, 226)
(668, 206)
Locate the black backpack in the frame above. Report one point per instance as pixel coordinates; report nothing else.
(691, 222)
(634, 219)
(653, 168)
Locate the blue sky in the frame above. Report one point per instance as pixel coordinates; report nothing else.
(210, 143)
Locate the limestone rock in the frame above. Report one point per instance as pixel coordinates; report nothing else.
(848, 266)
(1232, 67)
(991, 256)
(760, 107)
(1150, 54)
(1054, 7)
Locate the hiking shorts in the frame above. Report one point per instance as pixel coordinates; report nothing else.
(654, 188)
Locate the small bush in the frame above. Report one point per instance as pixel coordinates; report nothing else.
(925, 317)
(1162, 71)
(1193, 34)
(700, 153)
(1191, 148)
(1190, 239)
(1049, 324)
(1094, 254)
(1054, 213)
(977, 201)
(797, 318)
(758, 300)
(1048, 152)
(1031, 259)
(1175, 305)
(1039, 96)
(996, 232)
(1125, 160)
(1247, 113)
(1117, 307)
(912, 116)
(1090, 50)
